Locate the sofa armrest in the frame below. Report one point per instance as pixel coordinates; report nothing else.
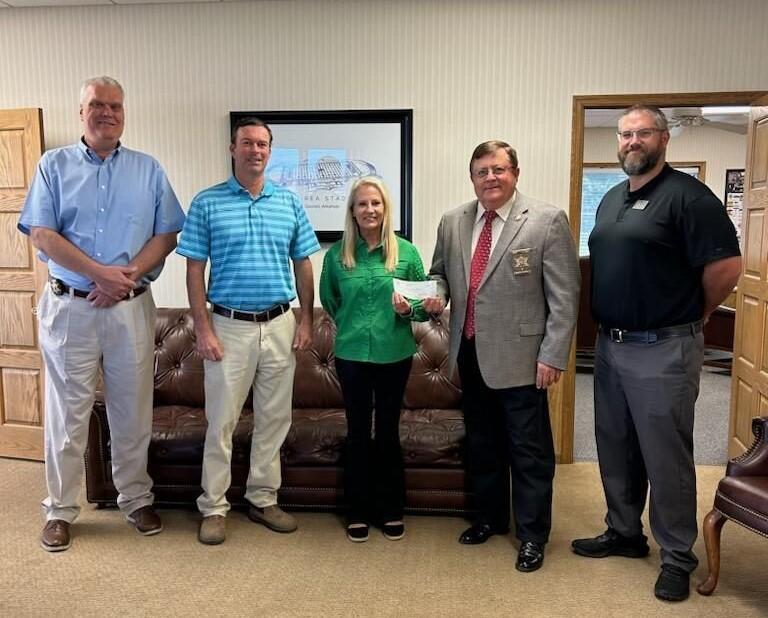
(754, 462)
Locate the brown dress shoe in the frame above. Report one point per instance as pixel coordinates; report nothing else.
(56, 536)
(146, 521)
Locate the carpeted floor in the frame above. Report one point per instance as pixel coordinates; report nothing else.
(112, 571)
(710, 433)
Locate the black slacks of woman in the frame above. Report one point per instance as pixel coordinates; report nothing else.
(374, 481)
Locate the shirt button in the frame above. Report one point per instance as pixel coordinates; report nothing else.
(101, 209)
(100, 231)
(103, 187)
(98, 255)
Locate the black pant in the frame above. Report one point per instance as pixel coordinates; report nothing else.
(508, 429)
(374, 480)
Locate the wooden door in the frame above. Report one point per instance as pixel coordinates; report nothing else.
(749, 386)
(22, 277)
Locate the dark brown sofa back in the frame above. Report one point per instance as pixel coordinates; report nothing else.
(179, 370)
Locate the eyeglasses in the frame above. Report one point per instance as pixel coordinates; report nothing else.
(641, 133)
(496, 171)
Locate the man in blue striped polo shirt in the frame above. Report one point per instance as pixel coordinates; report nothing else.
(249, 228)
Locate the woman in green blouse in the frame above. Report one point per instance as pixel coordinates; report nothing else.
(374, 349)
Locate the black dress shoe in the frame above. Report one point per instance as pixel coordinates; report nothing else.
(479, 533)
(611, 543)
(673, 583)
(530, 557)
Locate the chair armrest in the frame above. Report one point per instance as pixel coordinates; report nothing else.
(754, 462)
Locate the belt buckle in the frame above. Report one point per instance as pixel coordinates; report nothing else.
(617, 335)
(56, 287)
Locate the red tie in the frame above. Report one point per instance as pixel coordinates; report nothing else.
(479, 262)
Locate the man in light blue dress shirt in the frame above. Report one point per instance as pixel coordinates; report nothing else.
(104, 218)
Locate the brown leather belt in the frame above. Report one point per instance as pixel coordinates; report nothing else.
(59, 288)
(262, 316)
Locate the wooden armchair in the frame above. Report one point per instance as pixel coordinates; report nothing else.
(742, 496)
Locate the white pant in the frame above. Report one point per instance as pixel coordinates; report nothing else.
(76, 339)
(258, 354)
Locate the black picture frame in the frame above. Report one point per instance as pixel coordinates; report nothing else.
(734, 196)
(734, 182)
(384, 136)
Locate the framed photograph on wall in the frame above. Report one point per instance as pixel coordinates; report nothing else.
(734, 195)
(319, 154)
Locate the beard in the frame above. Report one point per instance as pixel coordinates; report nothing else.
(643, 161)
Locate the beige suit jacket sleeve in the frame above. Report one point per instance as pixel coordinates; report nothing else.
(561, 281)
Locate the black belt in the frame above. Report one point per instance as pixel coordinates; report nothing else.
(262, 316)
(619, 335)
(59, 288)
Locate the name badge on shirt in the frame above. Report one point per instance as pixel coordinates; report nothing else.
(520, 261)
(640, 205)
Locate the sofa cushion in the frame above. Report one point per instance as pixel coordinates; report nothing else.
(178, 435)
(316, 437)
(430, 438)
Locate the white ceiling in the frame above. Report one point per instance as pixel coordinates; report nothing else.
(23, 4)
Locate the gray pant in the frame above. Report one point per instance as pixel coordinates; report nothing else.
(644, 409)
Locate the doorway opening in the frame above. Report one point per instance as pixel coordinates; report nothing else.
(709, 141)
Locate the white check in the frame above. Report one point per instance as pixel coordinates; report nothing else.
(415, 289)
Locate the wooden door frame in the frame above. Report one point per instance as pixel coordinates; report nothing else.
(739, 425)
(581, 103)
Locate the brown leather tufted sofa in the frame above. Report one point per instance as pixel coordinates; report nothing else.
(431, 428)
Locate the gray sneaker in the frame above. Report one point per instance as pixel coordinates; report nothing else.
(213, 530)
(273, 517)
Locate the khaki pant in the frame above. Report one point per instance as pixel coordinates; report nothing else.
(75, 339)
(258, 354)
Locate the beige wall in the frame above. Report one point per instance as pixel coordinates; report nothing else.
(471, 70)
(720, 150)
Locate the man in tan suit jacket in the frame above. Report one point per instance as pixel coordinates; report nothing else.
(508, 265)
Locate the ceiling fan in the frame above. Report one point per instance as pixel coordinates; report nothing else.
(731, 119)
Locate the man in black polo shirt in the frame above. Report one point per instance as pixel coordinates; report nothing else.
(664, 254)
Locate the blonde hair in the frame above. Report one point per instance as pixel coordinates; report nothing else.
(352, 232)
